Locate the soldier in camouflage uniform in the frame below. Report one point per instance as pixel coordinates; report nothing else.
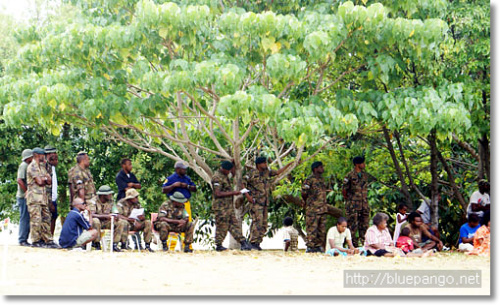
(258, 181)
(223, 208)
(173, 217)
(125, 207)
(81, 182)
(101, 218)
(36, 200)
(50, 166)
(355, 191)
(314, 194)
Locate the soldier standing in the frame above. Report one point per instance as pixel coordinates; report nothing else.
(101, 218)
(314, 194)
(81, 182)
(36, 200)
(125, 207)
(355, 192)
(22, 187)
(223, 208)
(51, 164)
(173, 217)
(258, 182)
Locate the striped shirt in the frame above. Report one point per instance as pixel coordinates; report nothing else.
(375, 236)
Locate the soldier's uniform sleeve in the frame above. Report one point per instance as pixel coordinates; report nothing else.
(246, 179)
(306, 186)
(121, 208)
(163, 210)
(273, 172)
(216, 184)
(76, 180)
(346, 184)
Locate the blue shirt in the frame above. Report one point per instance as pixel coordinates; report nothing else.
(122, 181)
(73, 227)
(467, 232)
(176, 178)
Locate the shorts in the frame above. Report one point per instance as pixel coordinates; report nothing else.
(332, 252)
(54, 214)
(422, 244)
(83, 238)
(379, 253)
(465, 247)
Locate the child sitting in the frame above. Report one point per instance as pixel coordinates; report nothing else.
(336, 237)
(290, 236)
(404, 242)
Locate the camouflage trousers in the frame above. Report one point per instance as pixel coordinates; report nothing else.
(315, 229)
(258, 229)
(164, 228)
(39, 222)
(358, 220)
(225, 220)
(145, 227)
(119, 226)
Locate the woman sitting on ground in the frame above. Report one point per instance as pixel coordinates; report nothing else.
(482, 238)
(378, 240)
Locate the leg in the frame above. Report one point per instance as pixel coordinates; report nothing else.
(221, 226)
(264, 223)
(322, 231)
(53, 217)
(86, 237)
(189, 231)
(96, 224)
(364, 221)
(46, 217)
(35, 211)
(164, 228)
(120, 226)
(235, 227)
(352, 223)
(311, 228)
(430, 245)
(256, 214)
(148, 233)
(24, 221)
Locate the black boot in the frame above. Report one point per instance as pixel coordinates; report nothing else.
(96, 245)
(256, 246)
(38, 244)
(124, 246)
(220, 248)
(310, 250)
(115, 248)
(165, 246)
(52, 245)
(148, 247)
(25, 244)
(245, 246)
(187, 248)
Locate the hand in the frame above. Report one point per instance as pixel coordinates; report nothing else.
(244, 191)
(181, 223)
(130, 184)
(350, 251)
(184, 185)
(52, 208)
(141, 217)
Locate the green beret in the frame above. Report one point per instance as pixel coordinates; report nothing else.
(39, 151)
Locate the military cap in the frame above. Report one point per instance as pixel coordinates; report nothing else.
(316, 165)
(358, 160)
(260, 160)
(81, 153)
(50, 149)
(180, 164)
(38, 151)
(105, 190)
(227, 165)
(27, 153)
(178, 197)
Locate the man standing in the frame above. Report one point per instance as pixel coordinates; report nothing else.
(172, 217)
(314, 194)
(81, 182)
(101, 218)
(125, 207)
(36, 200)
(355, 192)
(180, 182)
(52, 161)
(125, 179)
(480, 200)
(223, 208)
(258, 182)
(22, 187)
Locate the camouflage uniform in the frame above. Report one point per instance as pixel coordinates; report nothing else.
(125, 207)
(168, 210)
(316, 209)
(120, 225)
(36, 200)
(259, 185)
(79, 178)
(225, 218)
(357, 209)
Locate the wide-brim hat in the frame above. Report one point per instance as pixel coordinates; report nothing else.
(27, 153)
(105, 190)
(131, 193)
(178, 197)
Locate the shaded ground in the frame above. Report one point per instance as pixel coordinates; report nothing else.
(45, 271)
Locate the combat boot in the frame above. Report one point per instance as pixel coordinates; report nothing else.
(38, 244)
(52, 245)
(245, 246)
(320, 249)
(96, 245)
(187, 249)
(165, 246)
(220, 248)
(124, 246)
(310, 250)
(148, 247)
(115, 248)
(256, 246)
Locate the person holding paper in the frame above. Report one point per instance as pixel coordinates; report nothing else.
(126, 208)
(172, 217)
(101, 218)
(223, 207)
(258, 181)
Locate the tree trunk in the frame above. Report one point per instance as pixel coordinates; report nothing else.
(404, 186)
(451, 179)
(484, 158)
(434, 182)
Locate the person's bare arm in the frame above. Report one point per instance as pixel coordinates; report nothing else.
(22, 185)
(281, 170)
(219, 194)
(287, 245)
(466, 240)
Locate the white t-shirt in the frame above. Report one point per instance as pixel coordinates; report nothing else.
(425, 209)
(482, 199)
(291, 234)
(338, 238)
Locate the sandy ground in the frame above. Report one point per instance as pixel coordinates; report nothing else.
(59, 272)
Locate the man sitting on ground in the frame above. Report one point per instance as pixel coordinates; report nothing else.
(290, 236)
(76, 231)
(418, 230)
(172, 217)
(467, 232)
(336, 238)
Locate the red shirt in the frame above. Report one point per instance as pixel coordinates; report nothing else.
(405, 243)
